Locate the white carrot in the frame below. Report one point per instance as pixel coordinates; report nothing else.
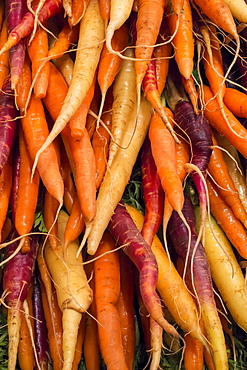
(90, 44)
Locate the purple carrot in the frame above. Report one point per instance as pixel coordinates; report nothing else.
(40, 330)
(197, 273)
(17, 277)
(15, 10)
(152, 192)
(26, 25)
(8, 122)
(197, 129)
(124, 231)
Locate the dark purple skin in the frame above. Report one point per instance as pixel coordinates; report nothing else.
(8, 123)
(18, 271)
(40, 330)
(25, 27)
(198, 130)
(197, 259)
(152, 192)
(124, 231)
(15, 10)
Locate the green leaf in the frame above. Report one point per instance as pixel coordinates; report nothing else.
(39, 222)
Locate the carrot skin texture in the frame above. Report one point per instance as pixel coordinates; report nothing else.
(236, 102)
(125, 232)
(107, 290)
(4, 58)
(8, 122)
(198, 272)
(16, 281)
(40, 329)
(193, 355)
(25, 27)
(5, 190)
(152, 192)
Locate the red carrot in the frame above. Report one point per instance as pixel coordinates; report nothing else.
(127, 235)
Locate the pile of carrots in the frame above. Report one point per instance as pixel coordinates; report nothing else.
(88, 91)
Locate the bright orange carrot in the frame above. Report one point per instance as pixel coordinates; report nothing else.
(183, 39)
(105, 6)
(162, 54)
(193, 354)
(78, 11)
(23, 87)
(69, 187)
(237, 135)
(164, 153)
(101, 139)
(5, 189)
(229, 223)
(66, 37)
(236, 102)
(38, 50)
(48, 166)
(107, 290)
(78, 121)
(76, 224)
(4, 58)
(27, 194)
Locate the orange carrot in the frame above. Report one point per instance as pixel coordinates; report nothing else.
(78, 121)
(101, 139)
(75, 225)
(236, 101)
(238, 135)
(193, 354)
(38, 50)
(107, 290)
(232, 227)
(27, 193)
(4, 58)
(164, 154)
(162, 54)
(51, 206)
(69, 187)
(105, 7)
(5, 189)
(78, 11)
(183, 39)
(23, 87)
(48, 166)
(65, 39)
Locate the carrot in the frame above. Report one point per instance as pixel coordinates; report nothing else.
(149, 18)
(65, 39)
(110, 64)
(105, 8)
(171, 287)
(87, 57)
(183, 39)
(235, 101)
(78, 11)
(38, 50)
(162, 53)
(16, 280)
(119, 13)
(25, 26)
(48, 166)
(40, 330)
(229, 223)
(51, 206)
(220, 174)
(125, 307)
(78, 121)
(107, 290)
(238, 9)
(101, 139)
(69, 187)
(79, 344)
(220, 14)
(91, 121)
(152, 193)
(7, 226)
(197, 271)
(25, 349)
(115, 180)
(52, 312)
(73, 292)
(76, 224)
(193, 354)
(2, 6)
(8, 121)
(4, 58)
(66, 66)
(126, 234)
(163, 148)
(27, 194)
(228, 276)
(213, 115)
(5, 190)
(23, 87)
(124, 104)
